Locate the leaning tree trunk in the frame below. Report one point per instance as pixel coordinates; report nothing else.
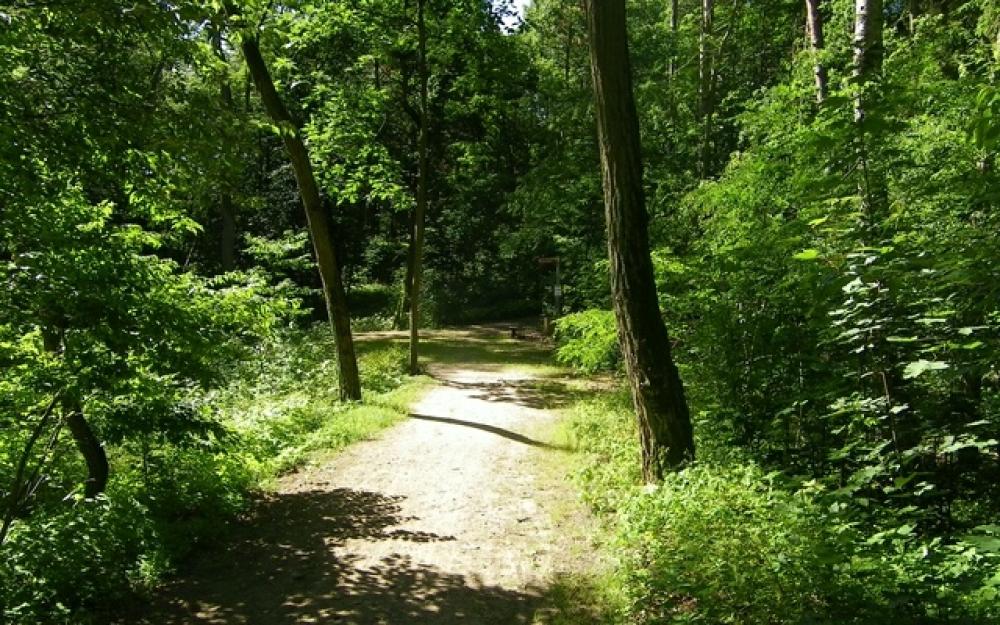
(814, 29)
(92, 451)
(421, 208)
(86, 440)
(662, 412)
(319, 223)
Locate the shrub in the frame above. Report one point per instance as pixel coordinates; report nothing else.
(86, 555)
(588, 341)
(727, 542)
(724, 545)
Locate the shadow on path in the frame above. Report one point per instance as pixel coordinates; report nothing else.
(541, 394)
(514, 436)
(282, 570)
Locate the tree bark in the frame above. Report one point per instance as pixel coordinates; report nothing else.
(672, 65)
(868, 54)
(674, 22)
(86, 440)
(227, 243)
(227, 213)
(92, 451)
(403, 309)
(868, 46)
(814, 29)
(706, 83)
(657, 392)
(319, 223)
(420, 210)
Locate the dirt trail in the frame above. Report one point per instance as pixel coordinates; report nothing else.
(443, 519)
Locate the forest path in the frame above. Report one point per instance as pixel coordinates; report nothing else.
(446, 518)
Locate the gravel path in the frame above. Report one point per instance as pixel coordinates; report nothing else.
(443, 519)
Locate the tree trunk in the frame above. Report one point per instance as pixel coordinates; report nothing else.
(317, 219)
(227, 243)
(814, 28)
(706, 84)
(227, 240)
(662, 412)
(868, 47)
(402, 310)
(672, 65)
(674, 22)
(20, 487)
(868, 53)
(421, 208)
(92, 451)
(86, 441)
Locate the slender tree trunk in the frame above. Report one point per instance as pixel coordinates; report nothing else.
(421, 208)
(814, 28)
(20, 486)
(227, 243)
(319, 222)
(662, 412)
(227, 213)
(672, 65)
(868, 54)
(706, 83)
(674, 23)
(402, 310)
(868, 47)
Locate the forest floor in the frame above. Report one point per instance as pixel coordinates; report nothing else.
(460, 514)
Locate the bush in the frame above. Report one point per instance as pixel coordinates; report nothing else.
(724, 545)
(588, 341)
(69, 562)
(727, 542)
(85, 556)
(373, 300)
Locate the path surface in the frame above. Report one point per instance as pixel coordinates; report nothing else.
(443, 519)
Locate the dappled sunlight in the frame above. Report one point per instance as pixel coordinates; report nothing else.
(291, 573)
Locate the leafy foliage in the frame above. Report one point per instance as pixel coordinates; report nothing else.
(588, 341)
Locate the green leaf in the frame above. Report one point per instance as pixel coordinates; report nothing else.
(919, 367)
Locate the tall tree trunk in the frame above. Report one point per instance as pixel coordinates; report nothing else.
(868, 46)
(814, 28)
(421, 208)
(662, 412)
(674, 23)
(403, 309)
(227, 242)
(706, 84)
(227, 213)
(868, 54)
(672, 65)
(319, 223)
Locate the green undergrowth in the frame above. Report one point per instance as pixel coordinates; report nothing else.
(726, 541)
(85, 561)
